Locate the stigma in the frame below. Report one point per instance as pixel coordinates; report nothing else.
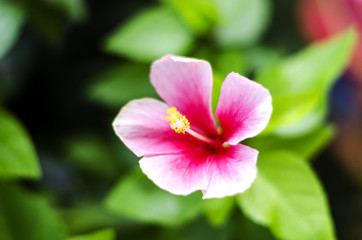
(178, 122)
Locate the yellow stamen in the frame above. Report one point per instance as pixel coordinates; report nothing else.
(178, 122)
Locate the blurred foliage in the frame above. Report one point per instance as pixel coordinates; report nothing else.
(306, 146)
(95, 156)
(49, 17)
(27, 216)
(11, 20)
(131, 78)
(106, 234)
(199, 15)
(288, 197)
(17, 154)
(217, 210)
(74, 9)
(84, 217)
(231, 30)
(150, 35)
(300, 84)
(138, 198)
(79, 61)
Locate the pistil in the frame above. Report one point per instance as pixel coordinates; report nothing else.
(201, 137)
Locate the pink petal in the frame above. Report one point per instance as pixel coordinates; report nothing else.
(179, 174)
(232, 170)
(227, 172)
(186, 83)
(143, 128)
(244, 108)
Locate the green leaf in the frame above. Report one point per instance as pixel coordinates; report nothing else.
(217, 210)
(311, 120)
(105, 234)
(75, 9)
(240, 22)
(120, 84)
(199, 15)
(17, 154)
(98, 156)
(288, 198)
(27, 216)
(305, 146)
(231, 61)
(47, 20)
(51, 18)
(150, 35)
(260, 57)
(11, 20)
(216, 89)
(198, 229)
(300, 84)
(87, 216)
(137, 198)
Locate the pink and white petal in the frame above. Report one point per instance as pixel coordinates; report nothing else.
(186, 83)
(179, 174)
(143, 128)
(244, 108)
(232, 170)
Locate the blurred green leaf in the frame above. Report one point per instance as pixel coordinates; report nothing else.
(231, 61)
(120, 84)
(312, 119)
(150, 35)
(240, 22)
(237, 226)
(138, 198)
(17, 154)
(85, 217)
(27, 216)
(105, 234)
(47, 20)
(217, 210)
(195, 230)
(51, 18)
(288, 198)
(305, 146)
(75, 9)
(300, 84)
(260, 57)
(11, 20)
(198, 14)
(96, 155)
(248, 229)
(216, 88)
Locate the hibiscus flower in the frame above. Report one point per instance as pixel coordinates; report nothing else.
(182, 148)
